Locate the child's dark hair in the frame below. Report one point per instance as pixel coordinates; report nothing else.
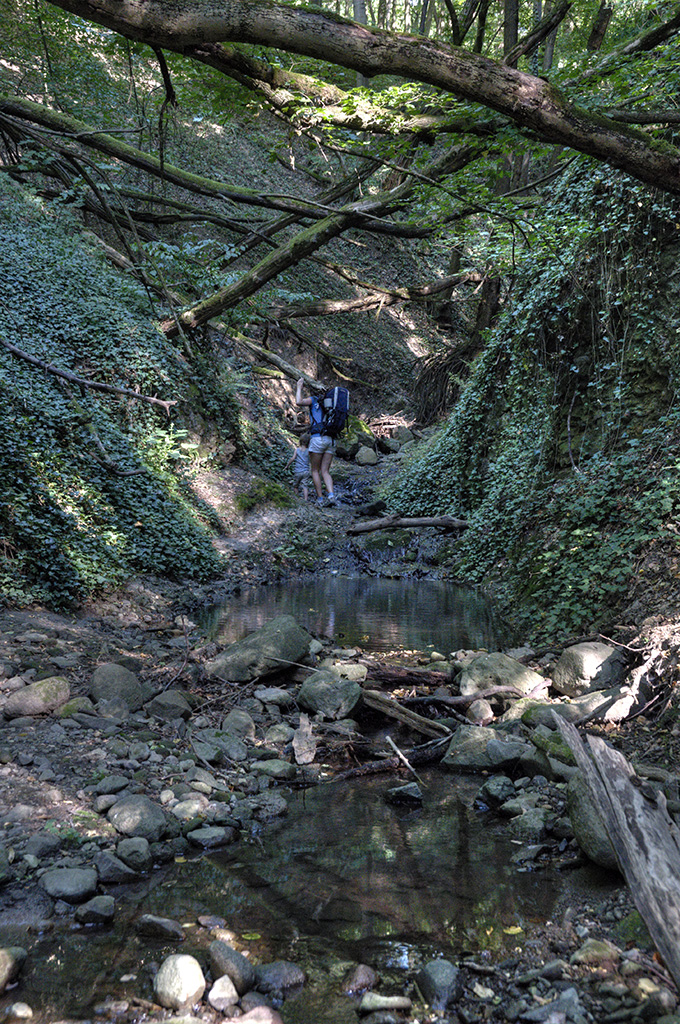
(305, 439)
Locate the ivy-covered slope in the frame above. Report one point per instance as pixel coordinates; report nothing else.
(562, 450)
(86, 493)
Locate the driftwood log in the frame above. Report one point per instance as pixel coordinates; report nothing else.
(643, 834)
(395, 522)
(425, 754)
(399, 675)
(379, 702)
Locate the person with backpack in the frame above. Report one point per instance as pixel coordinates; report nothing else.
(327, 417)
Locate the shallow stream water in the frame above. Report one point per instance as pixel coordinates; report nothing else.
(377, 615)
(343, 878)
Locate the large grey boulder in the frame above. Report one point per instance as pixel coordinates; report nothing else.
(586, 822)
(168, 706)
(39, 698)
(11, 961)
(587, 667)
(179, 982)
(328, 693)
(115, 682)
(475, 748)
(267, 650)
(72, 885)
(487, 671)
(136, 815)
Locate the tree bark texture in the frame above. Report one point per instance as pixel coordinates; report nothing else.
(643, 834)
(532, 103)
(405, 522)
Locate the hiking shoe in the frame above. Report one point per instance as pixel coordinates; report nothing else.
(331, 500)
(319, 503)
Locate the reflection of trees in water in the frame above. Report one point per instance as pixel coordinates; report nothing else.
(351, 868)
(374, 614)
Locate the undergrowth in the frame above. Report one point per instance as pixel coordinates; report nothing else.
(90, 491)
(559, 452)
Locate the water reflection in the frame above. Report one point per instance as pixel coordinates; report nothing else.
(343, 878)
(347, 866)
(374, 614)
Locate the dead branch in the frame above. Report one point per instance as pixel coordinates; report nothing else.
(395, 522)
(82, 382)
(425, 754)
(643, 834)
(379, 702)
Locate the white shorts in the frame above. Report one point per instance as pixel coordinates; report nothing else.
(320, 443)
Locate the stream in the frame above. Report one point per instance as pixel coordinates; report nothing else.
(380, 616)
(343, 878)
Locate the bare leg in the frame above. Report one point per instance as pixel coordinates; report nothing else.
(315, 467)
(326, 460)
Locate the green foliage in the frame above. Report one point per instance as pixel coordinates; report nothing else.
(576, 384)
(264, 492)
(89, 492)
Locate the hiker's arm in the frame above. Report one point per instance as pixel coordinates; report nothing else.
(299, 400)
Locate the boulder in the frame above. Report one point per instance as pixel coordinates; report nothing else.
(11, 961)
(72, 885)
(135, 852)
(277, 643)
(228, 962)
(223, 994)
(115, 682)
(366, 457)
(111, 870)
(239, 723)
(496, 790)
(168, 706)
(487, 671)
(41, 698)
(476, 748)
(587, 667)
(586, 822)
(136, 815)
(275, 768)
(160, 928)
(214, 746)
(440, 982)
(212, 837)
(279, 976)
(326, 692)
(99, 910)
(179, 982)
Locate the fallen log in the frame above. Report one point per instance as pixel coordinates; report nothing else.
(398, 675)
(426, 754)
(379, 702)
(395, 522)
(643, 834)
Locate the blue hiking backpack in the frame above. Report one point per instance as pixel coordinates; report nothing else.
(329, 413)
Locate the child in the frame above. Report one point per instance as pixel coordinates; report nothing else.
(300, 458)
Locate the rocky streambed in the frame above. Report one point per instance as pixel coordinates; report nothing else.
(130, 746)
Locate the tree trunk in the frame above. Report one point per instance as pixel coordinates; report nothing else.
(643, 834)
(533, 104)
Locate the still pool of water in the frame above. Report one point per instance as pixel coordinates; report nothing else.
(377, 615)
(344, 877)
